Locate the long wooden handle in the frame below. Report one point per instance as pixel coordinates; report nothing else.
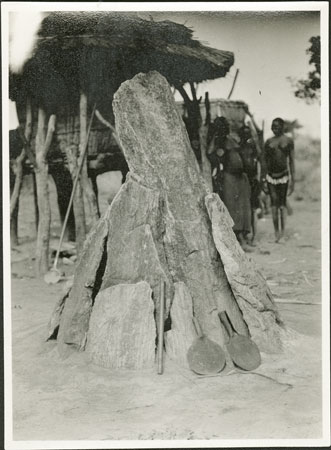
(197, 327)
(225, 321)
(161, 329)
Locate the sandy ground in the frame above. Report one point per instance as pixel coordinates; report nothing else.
(70, 399)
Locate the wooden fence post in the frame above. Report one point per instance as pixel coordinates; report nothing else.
(43, 143)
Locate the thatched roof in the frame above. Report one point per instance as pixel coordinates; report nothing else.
(233, 110)
(97, 51)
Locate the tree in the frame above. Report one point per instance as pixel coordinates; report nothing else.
(309, 89)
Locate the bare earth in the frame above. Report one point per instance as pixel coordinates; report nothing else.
(70, 399)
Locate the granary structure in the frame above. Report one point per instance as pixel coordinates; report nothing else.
(79, 62)
(164, 224)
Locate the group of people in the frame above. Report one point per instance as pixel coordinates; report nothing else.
(240, 170)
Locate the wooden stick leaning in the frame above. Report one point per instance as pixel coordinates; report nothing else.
(110, 126)
(161, 329)
(233, 84)
(73, 191)
(86, 182)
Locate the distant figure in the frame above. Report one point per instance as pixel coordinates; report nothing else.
(252, 167)
(229, 179)
(279, 159)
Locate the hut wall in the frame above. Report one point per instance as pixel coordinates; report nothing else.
(233, 110)
(100, 140)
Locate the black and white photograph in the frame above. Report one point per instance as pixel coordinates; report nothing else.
(165, 174)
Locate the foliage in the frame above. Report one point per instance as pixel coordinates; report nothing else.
(307, 168)
(309, 89)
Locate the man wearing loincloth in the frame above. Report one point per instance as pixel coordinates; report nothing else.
(279, 159)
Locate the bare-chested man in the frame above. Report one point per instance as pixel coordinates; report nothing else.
(279, 159)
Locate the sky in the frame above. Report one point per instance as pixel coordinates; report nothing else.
(268, 47)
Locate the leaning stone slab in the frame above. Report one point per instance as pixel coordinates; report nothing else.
(122, 329)
(54, 321)
(248, 286)
(74, 320)
(135, 250)
(182, 334)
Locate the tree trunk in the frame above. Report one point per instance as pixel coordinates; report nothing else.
(85, 181)
(163, 225)
(43, 235)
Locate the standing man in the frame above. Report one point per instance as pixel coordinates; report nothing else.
(279, 159)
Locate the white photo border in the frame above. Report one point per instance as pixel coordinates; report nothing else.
(322, 7)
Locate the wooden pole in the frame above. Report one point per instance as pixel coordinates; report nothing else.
(207, 107)
(110, 126)
(71, 151)
(161, 330)
(43, 143)
(18, 170)
(86, 182)
(82, 159)
(203, 134)
(233, 84)
(27, 147)
(194, 116)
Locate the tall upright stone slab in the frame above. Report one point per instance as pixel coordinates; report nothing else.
(157, 148)
(163, 225)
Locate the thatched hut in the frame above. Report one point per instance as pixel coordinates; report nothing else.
(79, 61)
(236, 112)
(96, 52)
